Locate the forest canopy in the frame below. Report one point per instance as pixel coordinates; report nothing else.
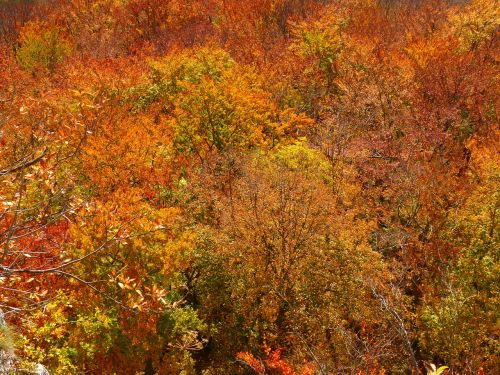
(288, 187)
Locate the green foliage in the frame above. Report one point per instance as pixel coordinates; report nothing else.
(214, 104)
(477, 24)
(323, 43)
(459, 325)
(168, 75)
(304, 159)
(180, 323)
(6, 338)
(41, 48)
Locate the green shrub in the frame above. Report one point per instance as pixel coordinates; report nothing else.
(41, 48)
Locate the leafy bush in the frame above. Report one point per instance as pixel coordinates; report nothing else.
(41, 48)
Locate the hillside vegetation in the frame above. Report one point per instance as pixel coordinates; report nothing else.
(249, 187)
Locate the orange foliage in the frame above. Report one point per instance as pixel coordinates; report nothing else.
(183, 180)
